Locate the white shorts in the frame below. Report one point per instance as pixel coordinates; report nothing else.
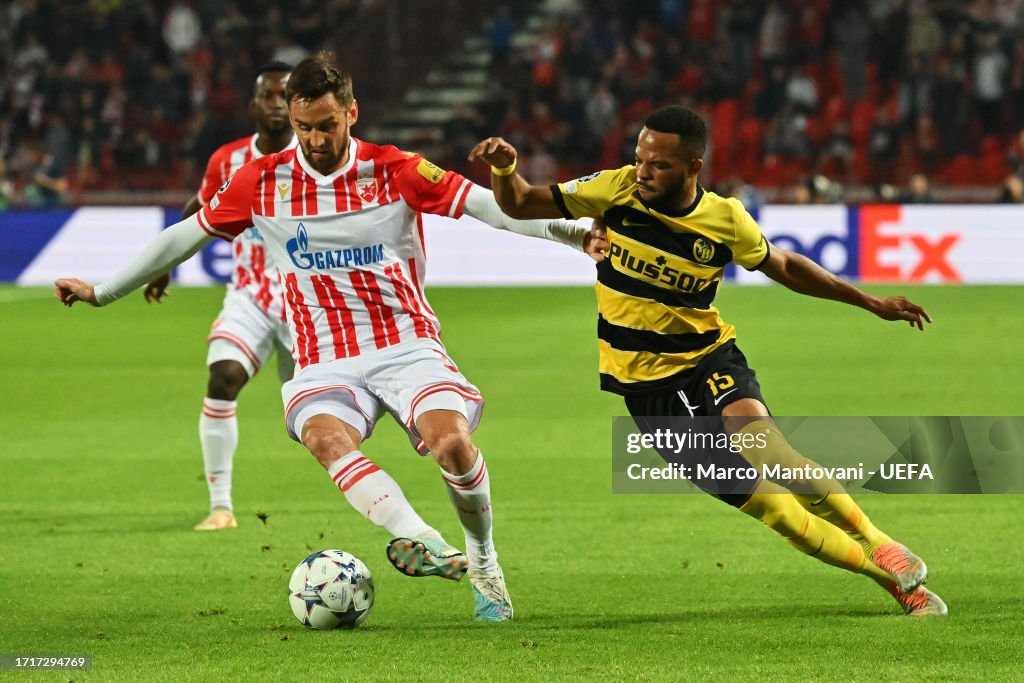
(405, 380)
(244, 333)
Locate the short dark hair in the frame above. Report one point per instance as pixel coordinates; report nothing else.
(316, 76)
(274, 67)
(269, 68)
(687, 124)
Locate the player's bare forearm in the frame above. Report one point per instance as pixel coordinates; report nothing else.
(516, 197)
(191, 207)
(804, 276)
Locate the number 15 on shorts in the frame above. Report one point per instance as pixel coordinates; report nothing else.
(719, 383)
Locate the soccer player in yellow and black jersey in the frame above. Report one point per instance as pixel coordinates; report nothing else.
(665, 348)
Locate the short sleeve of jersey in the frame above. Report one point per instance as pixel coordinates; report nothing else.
(430, 189)
(751, 249)
(229, 212)
(593, 194)
(216, 168)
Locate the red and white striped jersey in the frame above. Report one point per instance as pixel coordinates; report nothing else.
(349, 245)
(251, 273)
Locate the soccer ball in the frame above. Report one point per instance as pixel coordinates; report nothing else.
(331, 589)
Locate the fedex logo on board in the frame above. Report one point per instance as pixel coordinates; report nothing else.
(872, 243)
(894, 248)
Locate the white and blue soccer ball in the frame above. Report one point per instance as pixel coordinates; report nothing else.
(331, 589)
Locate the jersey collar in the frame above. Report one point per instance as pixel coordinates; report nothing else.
(255, 150)
(328, 179)
(688, 210)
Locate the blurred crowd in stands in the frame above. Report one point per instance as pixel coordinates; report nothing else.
(808, 95)
(805, 94)
(133, 94)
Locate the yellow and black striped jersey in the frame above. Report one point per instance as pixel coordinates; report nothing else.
(656, 288)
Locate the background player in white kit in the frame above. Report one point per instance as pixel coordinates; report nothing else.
(251, 324)
(341, 219)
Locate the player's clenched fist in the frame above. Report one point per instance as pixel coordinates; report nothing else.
(68, 290)
(496, 151)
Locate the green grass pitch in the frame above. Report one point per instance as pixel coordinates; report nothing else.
(102, 481)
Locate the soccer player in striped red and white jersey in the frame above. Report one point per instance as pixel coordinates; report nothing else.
(342, 220)
(252, 323)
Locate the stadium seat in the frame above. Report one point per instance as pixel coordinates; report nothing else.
(861, 119)
(962, 170)
(815, 131)
(726, 113)
(835, 110)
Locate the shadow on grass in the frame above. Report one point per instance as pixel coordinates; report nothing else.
(598, 622)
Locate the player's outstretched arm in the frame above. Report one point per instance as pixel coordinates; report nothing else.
(171, 247)
(481, 205)
(804, 276)
(516, 197)
(156, 289)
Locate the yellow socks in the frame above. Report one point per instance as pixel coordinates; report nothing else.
(779, 510)
(825, 498)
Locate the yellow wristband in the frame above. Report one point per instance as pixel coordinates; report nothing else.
(505, 170)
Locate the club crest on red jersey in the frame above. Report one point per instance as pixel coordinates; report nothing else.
(366, 188)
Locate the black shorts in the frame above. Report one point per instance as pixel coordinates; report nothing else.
(721, 378)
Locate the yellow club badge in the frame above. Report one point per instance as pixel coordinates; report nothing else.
(703, 251)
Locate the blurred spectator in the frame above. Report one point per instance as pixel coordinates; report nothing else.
(883, 144)
(925, 36)
(774, 35)
(769, 99)
(852, 35)
(749, 196)
(991, 68)
(305, 23)
(787, 136)
(502, 31)
(917, 92)
(951, 105)
(601, 112)
(1016, 83)
(6, 188)
(742, 19)
(701, 24)
(919, 190)
(926, 143)
(181, 29)
(721, 77)
(801, 194)
(801, 91)
(837, 154)
(1013, 190)
(809, 34)
(50, 180)
(540, 164)
(824, 190)
(863, 92)
(1015, 154)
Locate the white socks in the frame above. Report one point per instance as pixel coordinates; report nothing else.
(376, 496)
(218, 434)
(470, 493)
